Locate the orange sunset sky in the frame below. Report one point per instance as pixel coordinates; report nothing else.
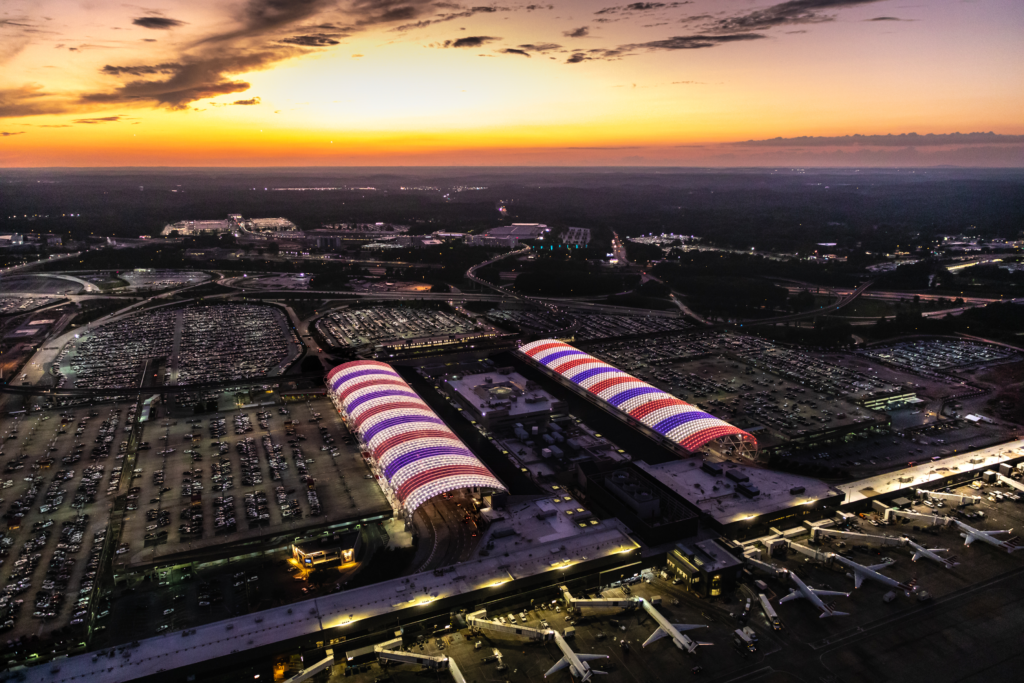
(567, 82)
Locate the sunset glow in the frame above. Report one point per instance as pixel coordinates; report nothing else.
(409, 82)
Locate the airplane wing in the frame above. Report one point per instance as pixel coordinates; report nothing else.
(688, 627)
(968, 539)
(559, 665)
(590, 658)
(833, 614)
(656, 636)
(819, 592)
(795, 595)
(876, 567)
(858, 579)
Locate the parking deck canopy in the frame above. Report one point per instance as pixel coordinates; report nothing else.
(414, 451)
(675, 419)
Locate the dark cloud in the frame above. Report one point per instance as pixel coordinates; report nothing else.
(576, 58)
(141, 70)
(787, 14)
(314, 40)
(886, 19)
(451, 16)
(540, 47)
(531, 8)
(54, 125)
(470, 41)
(249, 102)
(640, 7)
(900, 140)
(576, 32)
(102, 119)
(29, 100)
(7, 133)
(163, 23)
(513, 51)
(691, 42)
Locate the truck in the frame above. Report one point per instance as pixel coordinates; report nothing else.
(769, 612)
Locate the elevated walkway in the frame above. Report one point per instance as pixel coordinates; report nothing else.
(955, 498)
(479, 620)
(577, 604)
(856, 537)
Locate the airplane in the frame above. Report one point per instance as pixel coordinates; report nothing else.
(577, 663)
(971, 535)
(931, 554)
(860, 572)
(666, 628)
(814, 596)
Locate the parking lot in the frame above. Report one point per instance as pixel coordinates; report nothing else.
(203, 482)
(350, 327)
(189, 345)
(933, 356)
(11, 305)
(57, 470)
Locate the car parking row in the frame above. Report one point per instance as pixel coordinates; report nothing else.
(110, 355)
(233, 341)
(377, 324)
(597, 326)
(935, 355)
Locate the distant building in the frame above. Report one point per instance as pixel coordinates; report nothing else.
(488, 241)
(577, 237)
(520, 231)
(12, 240)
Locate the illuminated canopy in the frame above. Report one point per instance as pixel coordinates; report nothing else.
(416, 454)
(675, 419)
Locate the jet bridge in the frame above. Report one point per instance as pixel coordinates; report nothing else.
(313, 669)
(577, 604)
(932, 520)
(391, 651)
(853, 536)
(479, 620)
(955, 498)
(1012, 483)
(817, 555)
(766, 567)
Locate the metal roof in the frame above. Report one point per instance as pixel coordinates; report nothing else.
(673, 418)
(413, 449)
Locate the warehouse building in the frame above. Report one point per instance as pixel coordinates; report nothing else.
(682, 427)
(411, 451)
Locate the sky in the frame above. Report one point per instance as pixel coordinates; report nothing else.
(874, 83)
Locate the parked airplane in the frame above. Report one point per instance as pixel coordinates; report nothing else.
(860, 572)
(666, 628)
(971, 535)
(931, 554)
(577, 663)
(814, 596)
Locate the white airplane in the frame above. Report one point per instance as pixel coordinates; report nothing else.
(971, 535)
(814, 596)
(931, 554)
(577, 663)
(666, 628)
(860, 572)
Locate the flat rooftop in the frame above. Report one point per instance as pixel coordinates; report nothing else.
(919, 475)
(265, 628)
(556, 517)
(716, 495)
(496, 390)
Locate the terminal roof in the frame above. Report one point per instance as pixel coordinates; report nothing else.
(778, 490)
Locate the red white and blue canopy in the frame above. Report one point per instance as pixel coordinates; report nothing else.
(416, 453)
(675, 419)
